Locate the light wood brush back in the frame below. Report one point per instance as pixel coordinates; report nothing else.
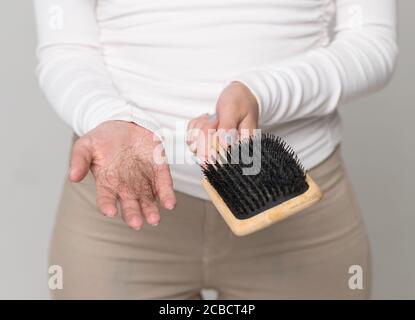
(242, 227)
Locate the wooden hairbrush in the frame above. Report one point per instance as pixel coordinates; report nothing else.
(251, 202)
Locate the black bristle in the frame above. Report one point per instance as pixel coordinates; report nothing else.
(280, 178)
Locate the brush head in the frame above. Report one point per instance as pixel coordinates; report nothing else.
(256, 174)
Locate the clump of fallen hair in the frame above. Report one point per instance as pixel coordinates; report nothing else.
(130, 173)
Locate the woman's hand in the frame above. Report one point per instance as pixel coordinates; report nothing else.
(121, 156)
(236, 117)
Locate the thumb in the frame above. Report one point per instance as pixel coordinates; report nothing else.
(80, 160)
(227, 129)
(247, 127)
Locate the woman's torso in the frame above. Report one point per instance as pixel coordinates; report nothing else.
(174, 58)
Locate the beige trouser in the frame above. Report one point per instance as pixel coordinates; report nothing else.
(305, 256)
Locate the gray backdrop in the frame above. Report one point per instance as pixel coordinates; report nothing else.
(378, 146)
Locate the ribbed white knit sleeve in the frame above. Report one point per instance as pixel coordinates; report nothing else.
(359, 59)
(71, 69)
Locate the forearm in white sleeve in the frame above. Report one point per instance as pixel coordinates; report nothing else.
(72, 71)
(359, 59)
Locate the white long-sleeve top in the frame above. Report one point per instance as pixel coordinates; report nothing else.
(160, 63)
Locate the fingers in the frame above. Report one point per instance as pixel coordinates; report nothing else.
(164, 187)
(197, 127)
(131, 213)
(205, 144)
(150, 212)
(201, 136)
(80, 160)
(194, 122)
(193, 130)
(106, 201)
(133, 210)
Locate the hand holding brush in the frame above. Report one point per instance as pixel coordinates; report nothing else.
(250, 195)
